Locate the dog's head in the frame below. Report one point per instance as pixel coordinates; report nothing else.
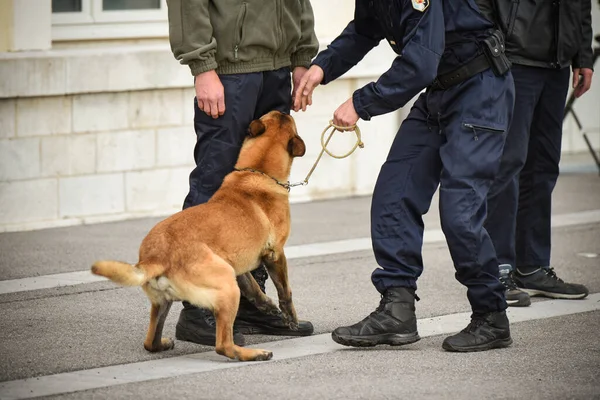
(278, 128)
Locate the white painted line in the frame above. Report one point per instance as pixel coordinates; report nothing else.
(292, 252)
(282, 350)
(327, 248)
(47, 281)
(349, 245)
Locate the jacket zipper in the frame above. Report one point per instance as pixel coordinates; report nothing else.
(474, 128)
(556, 4)
(512, 16)
(239, 25)
(279, 17)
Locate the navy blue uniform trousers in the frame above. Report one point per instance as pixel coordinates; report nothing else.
(452, 138)
(247, 97)
(520, 200)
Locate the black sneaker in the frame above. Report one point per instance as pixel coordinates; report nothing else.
(514, 296)
(485, 332)
(393, 322)
(544, 282)
(198, 325)
(251, 321)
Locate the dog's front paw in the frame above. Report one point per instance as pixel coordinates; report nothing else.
(267, 307)
(293, 326)
(273, 311)
(289, 314)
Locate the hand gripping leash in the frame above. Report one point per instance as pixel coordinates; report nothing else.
(324, 143)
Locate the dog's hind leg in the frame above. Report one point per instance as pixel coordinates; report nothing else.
(154, 341)
(211, 284)
(225, 308)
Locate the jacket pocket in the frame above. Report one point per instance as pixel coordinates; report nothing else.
(477, 129)
(239, 29)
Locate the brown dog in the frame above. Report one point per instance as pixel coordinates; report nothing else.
(196, 254)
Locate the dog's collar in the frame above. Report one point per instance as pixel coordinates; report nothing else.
(282, 184)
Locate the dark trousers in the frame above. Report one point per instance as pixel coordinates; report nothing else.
(247, 97)
(520, 200)
(453, 139)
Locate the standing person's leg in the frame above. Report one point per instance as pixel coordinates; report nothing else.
(537, 181)
(219, 140)
(405, 186)
(503, 196)
(217, 148)
(475, 115)
(275, 93)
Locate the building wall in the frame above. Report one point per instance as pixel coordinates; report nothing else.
(106, 133)
(97, 131)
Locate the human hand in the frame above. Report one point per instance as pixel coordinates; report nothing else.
(346, 115)
(309, 81)
(297, 75)
(210, 93)
(583, 85)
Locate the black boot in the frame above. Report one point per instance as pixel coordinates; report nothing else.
(394, 322)
(197, 325)
(485, 332)
(251, 321)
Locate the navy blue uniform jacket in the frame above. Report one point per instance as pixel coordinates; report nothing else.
(415, 29)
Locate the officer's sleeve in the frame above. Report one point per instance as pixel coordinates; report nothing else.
(355, 41)
(190, 35)
(585, 56)
(415, 67)
(308, 45)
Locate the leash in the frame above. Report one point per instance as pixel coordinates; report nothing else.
(324, 143)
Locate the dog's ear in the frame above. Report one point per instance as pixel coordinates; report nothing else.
(296, 147)
(256, 128)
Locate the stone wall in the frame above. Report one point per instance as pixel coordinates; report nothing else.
(83, 140)
(96, 130)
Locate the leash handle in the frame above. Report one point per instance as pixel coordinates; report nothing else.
(355, 128)
(324, 143)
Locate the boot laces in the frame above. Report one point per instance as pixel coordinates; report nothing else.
(508, 281)
(210, 320)
(476, 322)
(385, 298)
(552, 275)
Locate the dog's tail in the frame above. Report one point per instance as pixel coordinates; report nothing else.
(127, 274)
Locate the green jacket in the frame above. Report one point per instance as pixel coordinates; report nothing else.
(236, 36)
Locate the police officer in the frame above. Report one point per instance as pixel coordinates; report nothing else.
(520, 200)
(453, 137)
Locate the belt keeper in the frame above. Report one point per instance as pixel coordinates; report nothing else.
(438, 84)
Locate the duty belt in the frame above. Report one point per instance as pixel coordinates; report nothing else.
(461, 74)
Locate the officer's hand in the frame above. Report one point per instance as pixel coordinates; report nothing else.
(583, 85)
(308, 83)
(346, 115)
(210, 94)
(297, 75)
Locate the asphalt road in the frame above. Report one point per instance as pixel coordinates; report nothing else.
(73, 329)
